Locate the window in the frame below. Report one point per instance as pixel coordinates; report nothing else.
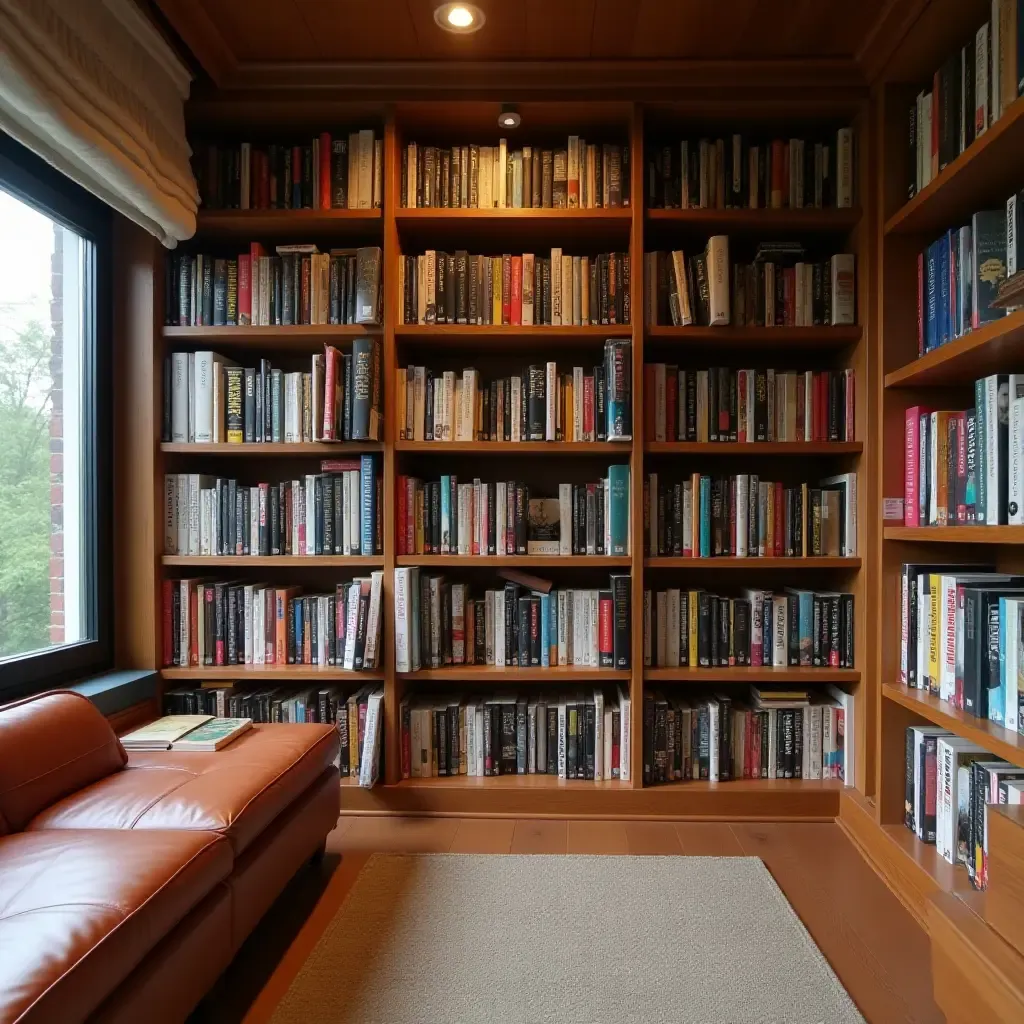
(55, 440)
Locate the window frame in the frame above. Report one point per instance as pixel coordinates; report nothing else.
(26, 177)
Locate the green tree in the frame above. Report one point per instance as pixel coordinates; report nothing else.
(25, 387)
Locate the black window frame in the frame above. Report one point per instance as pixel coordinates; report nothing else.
(30, 179)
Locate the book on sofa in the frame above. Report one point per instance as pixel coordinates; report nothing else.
(159, 735)
(213, 735)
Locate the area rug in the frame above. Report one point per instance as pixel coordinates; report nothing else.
(458, 939)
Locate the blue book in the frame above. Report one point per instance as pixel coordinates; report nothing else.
(931, 297)
(942, 272)
(806, 626)
(618, 509)
(545, 630)
(447, 548)
(705, 517)
(368, 503)
(618, 358)
(297, 624)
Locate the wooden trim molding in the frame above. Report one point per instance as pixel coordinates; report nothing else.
(135, 716)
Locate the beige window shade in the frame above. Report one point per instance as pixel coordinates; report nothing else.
(92, 88)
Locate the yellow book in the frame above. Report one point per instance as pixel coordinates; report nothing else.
(934, 590)
(496, 290)
(569, 433)
(691, 608)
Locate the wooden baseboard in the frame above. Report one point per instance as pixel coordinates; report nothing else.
(137, 715)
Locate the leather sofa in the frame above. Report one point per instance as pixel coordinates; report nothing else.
(129, 880)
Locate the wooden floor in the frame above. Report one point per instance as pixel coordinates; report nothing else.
(875, 947)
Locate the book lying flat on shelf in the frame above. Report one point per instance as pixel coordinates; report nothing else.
(214, 734)
(159, 735)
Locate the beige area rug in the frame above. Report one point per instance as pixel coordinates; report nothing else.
(459, 939)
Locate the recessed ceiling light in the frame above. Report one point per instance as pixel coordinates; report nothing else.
(509, 117)
(459, 18)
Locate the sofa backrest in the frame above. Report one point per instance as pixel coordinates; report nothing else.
(51, 745)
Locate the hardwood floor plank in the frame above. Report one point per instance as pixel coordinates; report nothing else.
(399, 835)
(825, 881)
(483, 835)
(536, 835)
(708, 839)
(652, 838)
(596, 837)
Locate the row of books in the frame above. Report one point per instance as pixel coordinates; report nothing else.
(298, 285)
(527, 289)
(950, 784)
(968, 95)
(778, 735)
(743, 516)
(792, 629)
(234, 623)
(210, 399)
(346, 708)
(339, 171)
(338, 511)
(580, 176)
(569, 734)
(959, 274)
(524, 624)
(446, 517)
(780, 288)
(726, 404)
(963, 467)
(960, 634)
(539, 404)
(740, 172)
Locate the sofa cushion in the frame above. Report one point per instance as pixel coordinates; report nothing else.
(51, 745)
(236, 791)
(79, 910)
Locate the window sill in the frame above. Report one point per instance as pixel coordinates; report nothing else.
(113, 692)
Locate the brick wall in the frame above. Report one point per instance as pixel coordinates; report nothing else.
(57, 438)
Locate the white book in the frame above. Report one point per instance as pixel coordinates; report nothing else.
(847, 767)
(202, 390)
(568, 291)
(489, 627)
(500, 516)
(718, 280)
(780, 631)
(563, 627)
(843, 270)
(364, 183)
(625, 725)
(551, 390)
(672, 604)
(516, 397)
(565, 519)
(844, 168)
(180, 389)
(1015, 490)
(993, 469)
(171, 513)
(373, 620)
(950, 753)
(371, 738)
(609, 718)
(577, 406)
(478, 723)
(403, 621)
(528, 298)
(847, 481)
(470, 386)
(259, 650)
(713, 740)
(499, 628)
(599, 759)
(556, 287)
(812, 740)
(742, 519)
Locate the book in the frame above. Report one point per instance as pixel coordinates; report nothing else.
(161, 734)
(215, 734)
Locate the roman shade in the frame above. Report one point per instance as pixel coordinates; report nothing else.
(92, 87)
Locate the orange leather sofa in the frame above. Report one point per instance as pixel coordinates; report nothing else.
(129, 880)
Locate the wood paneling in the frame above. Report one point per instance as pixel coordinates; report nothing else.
(1004, 907)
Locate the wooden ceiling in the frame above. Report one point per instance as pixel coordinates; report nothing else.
(230, 37)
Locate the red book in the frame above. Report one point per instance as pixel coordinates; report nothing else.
(748, 748)
(193, 624)
(851, 407)
(288, 520)
(732, 538)
(516, 292)
(671, 397)
(330, 391)
(218, 650)
(649, 375)
(400, 512)
(920, 303)
(742, 426)
(325, 171)
(789, 295)
(338, 465)
(911, 464)
(506, 290)
(410, 516)
(779, 509)
(168, 634)
(244, 291)
(588, 408)
(604, 630)
(616, 747)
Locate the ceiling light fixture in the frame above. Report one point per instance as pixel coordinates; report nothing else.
(459, 18)
(509, 117)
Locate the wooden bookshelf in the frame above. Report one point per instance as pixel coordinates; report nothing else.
(956, 534)
(633, 229)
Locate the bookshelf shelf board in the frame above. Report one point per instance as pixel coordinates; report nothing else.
(799, 564)
(751, 674)
(524, 795)
(755, 448)
(517, 561)
(516, 447)
(509, 675)
(277, 225)
(436, 228)
(277, 672)
(763, 220)
(305, 337)
(956, 534)
(276, 561)
(985, 173)
(994, 348)
(994, 738)
(757, 337)
(463, 336)
(322, 449)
